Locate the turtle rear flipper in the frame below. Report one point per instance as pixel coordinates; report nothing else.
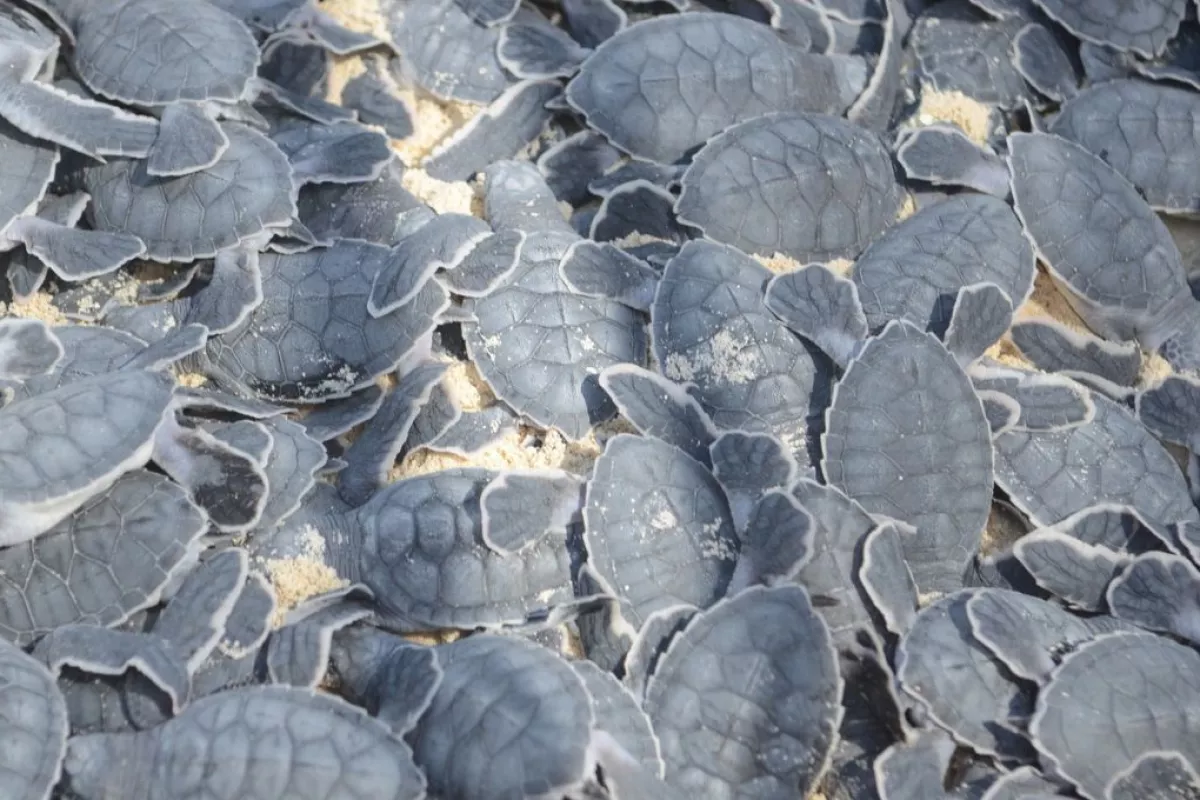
(188, 140)
(982, 314)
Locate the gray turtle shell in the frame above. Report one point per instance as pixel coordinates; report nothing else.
(1143, 26)
(666, 84)
(196, 215)
(447, 52)
(1112, 459)
(1144, 131)
(913, 268)
(906, 437)
(711, 329)
(541, 346)
(312, 337)
(810, 186)
(1097, 235)
(421, 551)
(110, 558)
(256, 743)
(119, 51)
(657, 527)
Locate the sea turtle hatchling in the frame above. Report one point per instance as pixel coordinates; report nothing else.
(663, 86)
(117, 53)
(305, 744)
(34, 716)
(744, 186)
(1109, 252)
(905, 434)
(247, 190)
(538, 343)
(59, 449)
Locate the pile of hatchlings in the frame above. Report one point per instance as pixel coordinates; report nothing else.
(638, 399)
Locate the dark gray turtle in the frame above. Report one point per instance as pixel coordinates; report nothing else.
(749, 372)
(247, 190)
(35, 722)
(1070, 569)
(1109, 252)
(303, 743)
(27, 348)
(959, 49)
(313, 337)
(1051, 474)
(538, 344)
(1156, 775)
(910, 379)
(1102, 119)
(127, 63)
(43, 110)
(421, 547)
(744, 183)
(960, 684)
(60, 448)
(481, 755)
(637, 206)
(659, 408)
(1142, 26)
(942, 155)
(657, 526)
(618, 713)
(372, 97)
(641, 90)
(445, 51)
(50, 237)
(1112, 700)
(910, 271)
(110, 558)
(748, 695)
(926, 765)
(1028, 634)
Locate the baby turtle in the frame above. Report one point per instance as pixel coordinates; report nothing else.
(1109, 252)
(914, 268)
(1098, 117)
(744, 185)
(749, 372)
(944, 486)
(1140, 26)
(111, 557)
(61, 448)
(758, 670)
(43, 110)
(248, 189)
(644, 87)
(308, 744)
(313, 338)
(482, 755)
(538, 343)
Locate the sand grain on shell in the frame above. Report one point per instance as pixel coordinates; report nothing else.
(298, 578)
(970, 116)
